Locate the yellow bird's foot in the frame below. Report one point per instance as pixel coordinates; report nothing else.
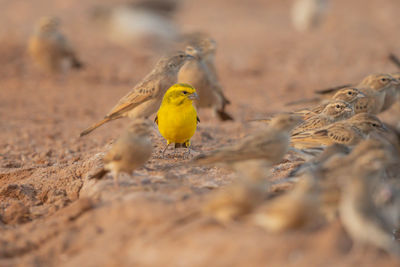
(186, 155)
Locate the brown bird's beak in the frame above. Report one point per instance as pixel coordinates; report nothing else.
(384, 128)
(395, 81)
(361, 95)
(193, 96)
(348, 109)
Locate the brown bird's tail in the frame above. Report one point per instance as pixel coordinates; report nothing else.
(303, 101)
(394, 59)
(99, 174)
(332, 90)
(223, 116)
(94, 126)
(76, 64)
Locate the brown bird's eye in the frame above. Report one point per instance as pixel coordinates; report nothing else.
(349, 93)
(337, 106)
(383, 80)
(375, 125)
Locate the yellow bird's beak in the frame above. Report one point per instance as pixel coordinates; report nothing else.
(193, 96)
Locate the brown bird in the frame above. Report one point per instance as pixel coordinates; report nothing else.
(348, 94)
(334, 111)
(362, 220)
(202, 75)
(130, 151)
(49, 48)
(145, 98)
(393, 93)
(348, 132)
(374, 86)
(269, 144)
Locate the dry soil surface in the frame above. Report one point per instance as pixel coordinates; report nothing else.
(51, 215)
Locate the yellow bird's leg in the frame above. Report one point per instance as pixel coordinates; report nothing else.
(174, 152)
(163, 152)
(187, 144)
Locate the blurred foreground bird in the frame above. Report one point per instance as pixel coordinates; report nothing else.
(348, 132)
(337, 161)
(236, 200)
(335, 111)
(362, 220)
(49, 48)
(129, 152)
(291, 210)
(177, 117)
(201, 73)
(145, 98)
(269, 144)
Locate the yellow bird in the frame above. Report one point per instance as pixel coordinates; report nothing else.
(177, 117)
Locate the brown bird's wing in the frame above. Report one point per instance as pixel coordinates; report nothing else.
(338, 134)
(141, 93)
(329, 135)
(310, 124)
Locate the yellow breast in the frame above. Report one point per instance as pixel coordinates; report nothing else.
(177, 124)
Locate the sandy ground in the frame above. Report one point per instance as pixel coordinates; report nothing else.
(51, 215)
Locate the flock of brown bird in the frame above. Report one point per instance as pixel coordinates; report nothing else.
(359, 162)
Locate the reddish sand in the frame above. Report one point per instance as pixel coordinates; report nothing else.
(51, 215)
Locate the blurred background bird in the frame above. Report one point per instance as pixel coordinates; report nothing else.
(49, 48)
(139, 22)
(308, 14)
(202, 74)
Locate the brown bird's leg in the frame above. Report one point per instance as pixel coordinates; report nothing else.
(116, 183)
(163, 152)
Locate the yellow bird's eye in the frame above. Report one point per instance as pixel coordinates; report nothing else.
(185, 92)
